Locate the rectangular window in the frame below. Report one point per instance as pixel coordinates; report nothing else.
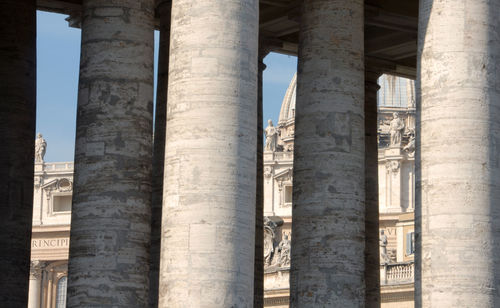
(410, 243)
(288, 194)
(61, 204)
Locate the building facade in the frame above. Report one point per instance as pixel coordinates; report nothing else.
(50, 235)
(396, 178)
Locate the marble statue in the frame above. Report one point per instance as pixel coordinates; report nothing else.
(269, 234)
(40, 148)
(271, 137)
(410, 147)
(384, 258)
(284, 251)
(396, 129)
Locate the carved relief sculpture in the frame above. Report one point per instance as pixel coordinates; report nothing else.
(410, 147)
(392, 166)
(284, 249)
(269, 234)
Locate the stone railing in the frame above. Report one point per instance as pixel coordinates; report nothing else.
(397, 273)
(65, 166)
(283, 155)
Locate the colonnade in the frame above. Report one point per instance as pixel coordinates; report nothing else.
(206, 137)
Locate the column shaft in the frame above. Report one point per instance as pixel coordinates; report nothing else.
(111, 214)
(17, 132)
(163, 12)
(329, 212)
(207, 251)
(372, 254)
(458, 162)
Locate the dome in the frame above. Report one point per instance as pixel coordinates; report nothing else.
(287, 112)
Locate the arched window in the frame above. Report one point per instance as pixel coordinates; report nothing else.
(61, 292)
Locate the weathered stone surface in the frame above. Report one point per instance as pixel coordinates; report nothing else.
(110, 227)
(17, 134)
(328, 242)
(458, 170)
(163, 8)
(372, 256)
(208, 220)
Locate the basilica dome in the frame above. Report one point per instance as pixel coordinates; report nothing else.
(287, 113)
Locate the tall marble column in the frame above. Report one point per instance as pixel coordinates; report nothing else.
(207, 251)
(17, 134)
(458, 155)
(35, 284)
(328, 242)
(111, 214)
(163, 9)
(259, 192)
(372, 254)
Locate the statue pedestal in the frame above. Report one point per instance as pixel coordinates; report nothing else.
(39, 166)
(393, 151)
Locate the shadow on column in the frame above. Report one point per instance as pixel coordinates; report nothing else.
(17, 132)
(163, 9)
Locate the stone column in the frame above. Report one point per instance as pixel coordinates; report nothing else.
(111, 214)
(207, 251)
(372, 254)
(458, 155)
(163, 8)
(329, 178)
(35, 285)
(259, 205)
(17, 134)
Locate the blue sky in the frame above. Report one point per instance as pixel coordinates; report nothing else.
(58, 57)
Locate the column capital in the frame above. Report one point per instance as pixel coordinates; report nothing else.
(36, 268)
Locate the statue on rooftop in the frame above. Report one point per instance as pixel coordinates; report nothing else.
(396, 129)
(40, 148)
(271, 137)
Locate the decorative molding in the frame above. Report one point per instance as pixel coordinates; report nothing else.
(276, 301)
(36, 268)
(392, 166)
